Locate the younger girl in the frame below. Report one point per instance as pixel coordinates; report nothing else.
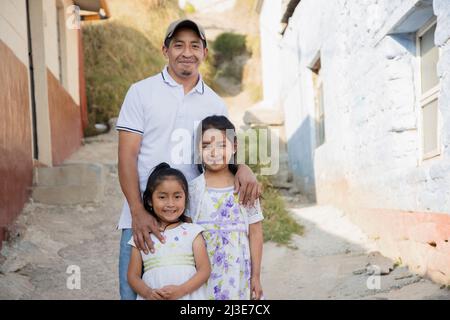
(233, 233)
(179, 268)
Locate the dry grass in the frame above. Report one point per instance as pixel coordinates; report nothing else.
(123, 50)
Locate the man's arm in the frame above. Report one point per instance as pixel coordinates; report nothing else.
(142, 222)
(249, 187)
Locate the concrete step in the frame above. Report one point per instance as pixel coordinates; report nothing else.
(69, 184)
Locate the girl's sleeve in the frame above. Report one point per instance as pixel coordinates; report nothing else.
(195, 230)
(190, 209)
(254, 213)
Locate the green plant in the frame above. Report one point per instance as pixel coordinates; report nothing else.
(278, 224)
(228, 45)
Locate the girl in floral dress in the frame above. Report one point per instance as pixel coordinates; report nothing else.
(233, 233)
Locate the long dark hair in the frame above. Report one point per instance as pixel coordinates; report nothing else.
(159, 174)
(223, 124)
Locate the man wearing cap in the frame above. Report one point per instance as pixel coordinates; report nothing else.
(159, 114)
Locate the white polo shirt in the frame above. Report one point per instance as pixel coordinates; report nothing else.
(158, 109)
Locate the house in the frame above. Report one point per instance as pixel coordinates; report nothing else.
(42, 92)
(365, 91)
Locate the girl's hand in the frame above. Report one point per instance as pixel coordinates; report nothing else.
(153, 294)
(171, 292)
(255, 288)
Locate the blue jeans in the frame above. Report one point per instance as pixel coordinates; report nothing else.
(126, 293)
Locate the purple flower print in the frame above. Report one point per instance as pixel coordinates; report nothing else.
(224, 213)
(226, 265)
(224, 295)
(216, 290)
(176, 238)
(230, 202)
(221, 295)
(232, 282)
(225, 238)
(215, 276)
(218, 258)
(246, 268)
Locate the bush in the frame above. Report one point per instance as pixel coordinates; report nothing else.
(278, 224)
(228, 45)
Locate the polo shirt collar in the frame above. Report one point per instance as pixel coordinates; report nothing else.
(199, 87)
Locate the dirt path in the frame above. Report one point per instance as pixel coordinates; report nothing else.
(330, 260)
(52, 238)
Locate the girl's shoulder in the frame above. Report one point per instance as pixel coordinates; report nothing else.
(198, 181)
(191, 228)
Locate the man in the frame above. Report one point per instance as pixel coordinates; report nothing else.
(154, 110)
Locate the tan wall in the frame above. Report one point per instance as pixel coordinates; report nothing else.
(419, 239)
(65, 120)
(16, 164)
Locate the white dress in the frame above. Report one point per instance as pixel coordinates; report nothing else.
(173, 262)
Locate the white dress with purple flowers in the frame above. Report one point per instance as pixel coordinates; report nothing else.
(226, 235)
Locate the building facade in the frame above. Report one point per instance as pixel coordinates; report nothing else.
(42, 93)
(365, 89)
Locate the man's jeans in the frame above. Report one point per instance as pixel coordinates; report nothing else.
(126, 293)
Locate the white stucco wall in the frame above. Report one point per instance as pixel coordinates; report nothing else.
(13, 27)
(51, 36)
(69, 51)
(270, 18)
(372, 114)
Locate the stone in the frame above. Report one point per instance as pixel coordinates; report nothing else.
(69, 184)
(379, 264)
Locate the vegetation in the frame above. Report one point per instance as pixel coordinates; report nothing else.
(228, 45)
(278, 224)
(122, 50)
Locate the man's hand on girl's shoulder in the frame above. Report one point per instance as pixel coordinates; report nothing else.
(143, 224)
(247, 186)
